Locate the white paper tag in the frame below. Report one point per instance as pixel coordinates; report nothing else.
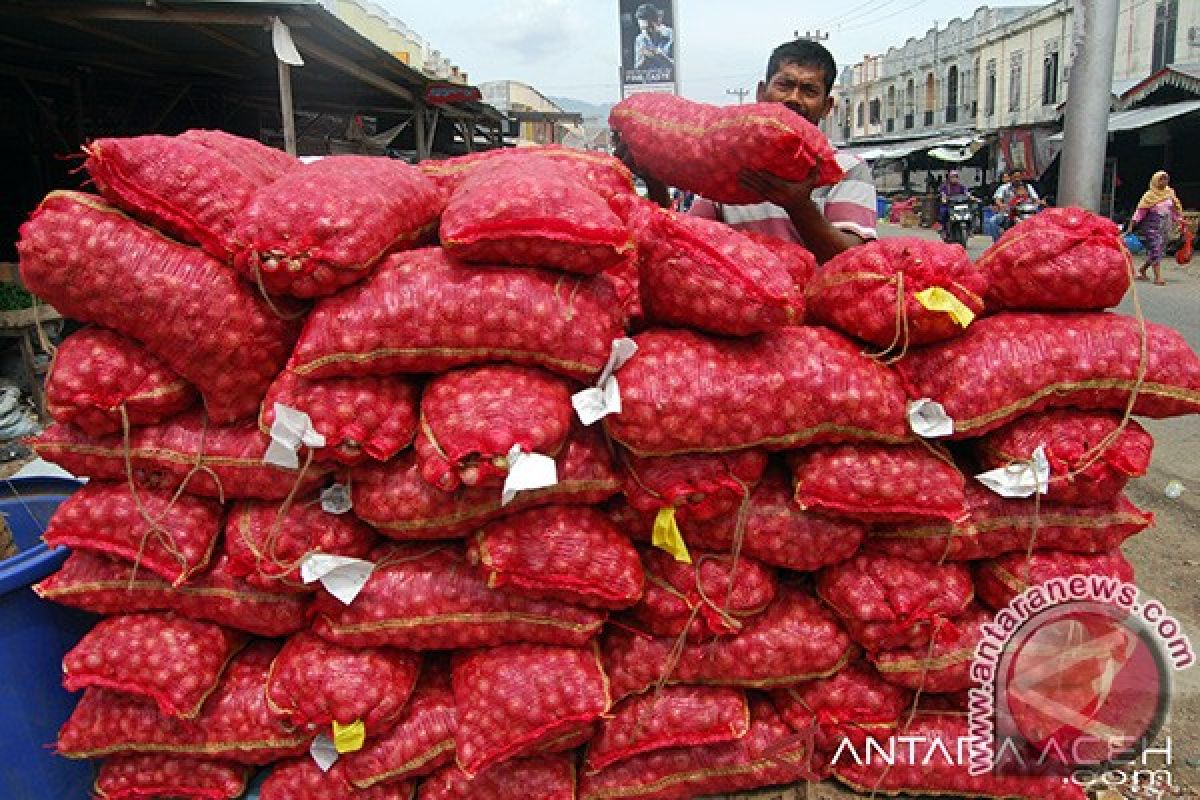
(596, 403)
(527, 471)
(292, 428)
(336, 499)
(341, 576)
(323, 752)
(928, 419)
(1020, 480)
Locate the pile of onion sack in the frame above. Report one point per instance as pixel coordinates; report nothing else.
(487, 479)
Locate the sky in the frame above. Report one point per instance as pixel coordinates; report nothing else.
(571, 48)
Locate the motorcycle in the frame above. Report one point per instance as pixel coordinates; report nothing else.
(960, 218)
(1022, 211)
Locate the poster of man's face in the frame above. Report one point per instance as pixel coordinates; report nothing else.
(647, 42)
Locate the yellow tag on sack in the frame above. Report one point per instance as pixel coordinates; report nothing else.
(936, 298)
(667, 536)
(349, 738)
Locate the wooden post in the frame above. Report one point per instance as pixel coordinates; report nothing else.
(285, 107)
(419, 117)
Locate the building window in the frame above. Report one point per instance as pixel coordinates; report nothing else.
(1050, 75)
(910, 100)
(1014, 81)
(1166, 19)
(891, 109)
(859, 123)
(989, 91)
(952, 95)
(876, 112)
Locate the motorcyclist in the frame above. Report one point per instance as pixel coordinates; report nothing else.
(951, 188)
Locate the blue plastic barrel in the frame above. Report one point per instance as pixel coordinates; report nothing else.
(883, 207)
(34, 637)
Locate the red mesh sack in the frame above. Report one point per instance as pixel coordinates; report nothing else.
(156, 775)
(192, 186)
(546, 778)
(532, 212)
(888, 602)
(1001, 579)
(853, 705)
(1064, 259)
(698, 486)
(1091, 455)
(1017, 363)
(96, 373)
(314, 683)
(235, 724)
(302, 779)
(421, 741)
(174, 661)
(172, 537)
(423, 312)
(784, 389)
(703, 274)
(769, 754)
(799, 261)
(795, 639)
(676, 716)
(429, 598)
(360, 418)
(571, 553)
(704, 148)
(944, 665)
(103, 585)
(400, 504)
(879, 483)
(510, 698)
(881, 292)
(600, 172)
(326, 224)
(700, 597)
(775, 530)
(206, 460)
(996, 525)
(926, 764)
(94, 264)
(266, 547)
(471, 418)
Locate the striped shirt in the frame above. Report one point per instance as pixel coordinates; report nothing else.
(848, 206)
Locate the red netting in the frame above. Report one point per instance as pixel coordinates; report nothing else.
(879, 483)
(769, 754)
(156, 775)
(698, 597)
(193, 186)
(302, 779)
(784, 389)
(1017, 363)
(801, 264)
(570, 553)
(703, 274)
(422, 312)
(510, 698)
(705, 148)
(423, 597)
(398, 502)
(235, 724)
(698, 486)
(360, 418)
(325, 225)
(870, 292)
(996, 525)
(544, 778)
(533, 212)
(103, 585)
(96, 372)
(677, 716)
(944, 665)
(1080, 473)
(795, 639)
(1001, 579)
(94, 264)
(888, 602)
(314, 683)
(600, 172)
(217, 462)
(174, 661)
(471, 418)
(266, 547)
(1062, 259)
(171, 537)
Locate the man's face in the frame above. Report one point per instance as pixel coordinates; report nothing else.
(800, 88)
(648, 25)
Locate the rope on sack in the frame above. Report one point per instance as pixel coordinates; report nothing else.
(39, 326)
(739, 539)
(262, 290)
(888, 355)
(270, 543)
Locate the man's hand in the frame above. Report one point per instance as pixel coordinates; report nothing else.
(656, 190)
(774, 189)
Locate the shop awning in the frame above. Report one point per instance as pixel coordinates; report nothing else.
(1136, 118)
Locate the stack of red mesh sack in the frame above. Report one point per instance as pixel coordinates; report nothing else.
(365, 510)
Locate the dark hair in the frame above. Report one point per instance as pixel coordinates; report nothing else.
(804, 53)
(648, 11)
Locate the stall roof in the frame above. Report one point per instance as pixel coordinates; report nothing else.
(1143, 117)
(896, 150)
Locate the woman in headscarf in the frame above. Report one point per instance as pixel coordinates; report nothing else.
(1158, 209)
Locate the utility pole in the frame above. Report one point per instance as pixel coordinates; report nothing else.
(1089, 95)
(812, 36)
(740, 93)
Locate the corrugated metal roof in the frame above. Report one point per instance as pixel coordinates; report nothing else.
(1136, 118)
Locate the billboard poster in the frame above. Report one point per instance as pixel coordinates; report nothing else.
(648, 46)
